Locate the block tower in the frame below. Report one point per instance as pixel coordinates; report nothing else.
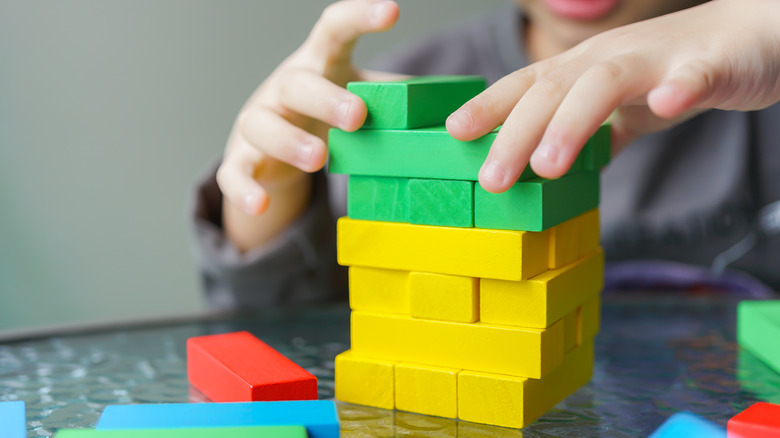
(465, 304)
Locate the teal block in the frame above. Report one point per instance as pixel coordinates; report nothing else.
(441, 202)
(686, 425)
(758, 330)
(210, 432)
(415, 102)
(319, 417)
(378, 198)
(13, 421)
(431, 153)
(537, 204)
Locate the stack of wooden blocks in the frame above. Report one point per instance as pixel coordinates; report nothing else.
(465, 304)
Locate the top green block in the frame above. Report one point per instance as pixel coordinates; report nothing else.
(417, 102)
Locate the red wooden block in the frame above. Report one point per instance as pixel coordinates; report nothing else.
(762, 420)
(236, 367)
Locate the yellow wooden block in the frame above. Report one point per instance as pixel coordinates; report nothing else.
(516, 401)
(365, 381)
(573, 239)
(591, 319)
(582, 324)
(572, 329)
(469, 252)
(543, 299)
(443, 297)
(426, 390)
(518, 351)
(379, 290)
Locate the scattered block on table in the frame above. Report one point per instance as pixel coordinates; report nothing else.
(365, 381)
(426, 389)
(573, 239)
(319, 417)
(443, 297)
(687, 425)
(755, 377)
(441, 202)
(509, 401)
(761, 420)
(13, 420)
(379, 290)
(431, 153)
(415, 102)
(544, 299)
(758, 330)
(208, 432)
(378, 198)
(537, 204)
(239, 367)
(517, 351)
(470, 252)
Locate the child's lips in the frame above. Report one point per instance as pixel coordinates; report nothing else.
(582, 9)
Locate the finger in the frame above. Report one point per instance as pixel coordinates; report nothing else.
(235, 178)
(305, 92)
(489, 109)
(685, 88)
(522, 131)
(342, 23)
(271, 134)
(592, 98)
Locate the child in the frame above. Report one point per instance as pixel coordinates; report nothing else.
(689, 187)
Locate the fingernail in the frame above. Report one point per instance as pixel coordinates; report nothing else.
(342, 112)
(492, 171)
(547, 152)
(460, 120)
(305, 151)
(250, 203)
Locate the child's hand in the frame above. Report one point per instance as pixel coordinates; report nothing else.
(279, 135)
(648, 76)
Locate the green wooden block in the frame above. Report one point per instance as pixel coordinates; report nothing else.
(600, 146)
(415, 102)
(206, 432)
(441, 202)
(537, 204)
(431, 153)
(377, 198)
(758, 330)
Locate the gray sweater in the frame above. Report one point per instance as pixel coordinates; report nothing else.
(684, 195)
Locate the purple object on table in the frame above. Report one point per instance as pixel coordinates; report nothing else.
(659, 275)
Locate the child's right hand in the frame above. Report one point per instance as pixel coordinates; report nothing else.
(279, 136)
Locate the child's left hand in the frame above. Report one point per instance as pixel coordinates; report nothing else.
(645, 77)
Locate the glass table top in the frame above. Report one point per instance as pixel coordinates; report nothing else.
(655, 355)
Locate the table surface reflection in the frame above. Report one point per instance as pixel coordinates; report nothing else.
(655, 355)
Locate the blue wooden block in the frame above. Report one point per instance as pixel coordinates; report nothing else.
(319, 417)
(687, 425)
(13, 423)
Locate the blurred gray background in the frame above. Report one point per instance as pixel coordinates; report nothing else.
(108, 111)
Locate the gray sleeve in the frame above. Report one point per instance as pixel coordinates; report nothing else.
(297, 267)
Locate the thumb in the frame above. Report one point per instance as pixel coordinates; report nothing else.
(690, 86)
